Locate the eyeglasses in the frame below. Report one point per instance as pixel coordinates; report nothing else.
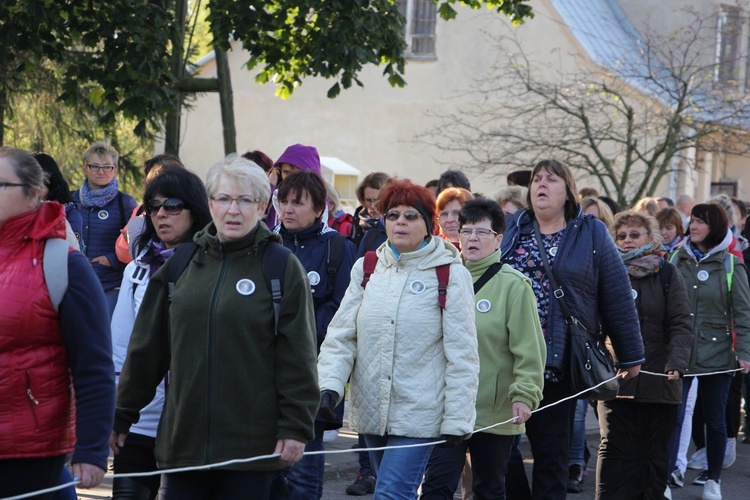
(4, 185)
(454, 213)
(225, 201)
(481, 232)
(172, 206)
(370, 201)
(410, 215)
(101, 168)
(633, 236)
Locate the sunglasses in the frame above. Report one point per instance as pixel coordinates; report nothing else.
(172, 206)
(410, 215)
(633, 236)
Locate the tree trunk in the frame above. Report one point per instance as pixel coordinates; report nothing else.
(226, 100)
(3, 104)
(172, 125)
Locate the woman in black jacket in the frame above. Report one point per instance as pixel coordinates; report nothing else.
(636, 426)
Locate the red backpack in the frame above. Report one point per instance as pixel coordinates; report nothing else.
(344, 224)
(443, 275)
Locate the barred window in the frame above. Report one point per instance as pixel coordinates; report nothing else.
(421, 19)
(726, 53)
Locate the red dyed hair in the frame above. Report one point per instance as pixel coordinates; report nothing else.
(404, 192)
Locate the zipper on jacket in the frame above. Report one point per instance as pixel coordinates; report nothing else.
(33, 402)
(209, 385)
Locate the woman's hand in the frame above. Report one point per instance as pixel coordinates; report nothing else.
(673, 375)
(117, 441)
(291, 451)
(521, 412)
(103, 260)
(745, 365)
(89, 475)
(629, 372)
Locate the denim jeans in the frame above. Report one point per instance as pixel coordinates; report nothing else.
(305, 478)
(399, 470)
(578, 440)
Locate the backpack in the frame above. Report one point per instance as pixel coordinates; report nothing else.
(344, 224)
(333, 260)
(55, 267)
(275, 258)
(443, 276)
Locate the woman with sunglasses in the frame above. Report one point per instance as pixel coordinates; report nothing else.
(413, 364)
(176, 207)
(511, 354)
(636, 426)
(105, 211)
(709, 270)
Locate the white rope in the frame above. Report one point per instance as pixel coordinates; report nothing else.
(693, 374)
(265, 457)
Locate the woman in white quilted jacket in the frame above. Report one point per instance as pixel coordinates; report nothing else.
(405, 333)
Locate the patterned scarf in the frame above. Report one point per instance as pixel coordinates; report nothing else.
(643, 261)
(98, 197)
(156, 256)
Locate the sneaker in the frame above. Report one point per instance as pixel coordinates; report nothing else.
(668, 494)
(701, 479)
(730, 454)
(363, 485)
(677, 479)
(575, 478)
(698, 461)
(331, 435)
(712, 490)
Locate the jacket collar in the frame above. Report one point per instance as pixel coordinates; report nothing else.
(479, 267)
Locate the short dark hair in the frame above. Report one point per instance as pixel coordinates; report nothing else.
(176, 183)
(373, 180)
(668, 201)
(612, 204)
(519, 178)
(433, 183)
(670, 216)
(161, 161)
(741, 206)
(260, 158)
(456, 178)
(302, 181)
(479, 209)
(57, 187)
(715, 216)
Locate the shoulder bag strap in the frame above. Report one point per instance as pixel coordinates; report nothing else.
(557, 291)
(486, 276)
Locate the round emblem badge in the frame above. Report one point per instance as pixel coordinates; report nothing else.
(313, 277)
(635, 294)
(484, 305)
(417, 286)
(245, 287)
(553, 251)
(103, 214)
(703, 275)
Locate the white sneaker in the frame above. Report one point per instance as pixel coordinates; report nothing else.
(730, 454)
(668, 493)
(331, 435)
(712, 490)
(698, 461)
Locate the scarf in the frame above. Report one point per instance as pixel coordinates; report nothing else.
(644, 260)
(156, 256)
(98, 197)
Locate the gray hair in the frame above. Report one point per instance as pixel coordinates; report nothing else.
(242, 173)
(26, 167)
(102, 148)
(725, 202)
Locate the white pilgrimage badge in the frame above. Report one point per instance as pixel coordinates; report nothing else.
(484, 305)
(703, 275)
(103, 214)
(416, 286)
(245, 287)
(313, 277)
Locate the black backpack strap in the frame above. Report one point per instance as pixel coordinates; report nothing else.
(333, 260)
(370, 239)
(665, 275)
(486, 276)
(177, 264)
(275, 258)
(121, 205)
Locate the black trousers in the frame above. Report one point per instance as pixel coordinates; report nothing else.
(24, 475)
(549, 433)
(634, 452)
(489, 463)
(136, 456)
(217, 485)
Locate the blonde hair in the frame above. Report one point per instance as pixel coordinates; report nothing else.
(647, 205)
(104, 149)
(636, 218)
(605, 213)
(333, 196)
(512, 194)
(242, 173)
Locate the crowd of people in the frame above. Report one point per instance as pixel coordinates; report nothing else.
(222, 321)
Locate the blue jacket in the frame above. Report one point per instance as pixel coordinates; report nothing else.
(596, 285)
(310, 246)
(373, 238)
(101, 227)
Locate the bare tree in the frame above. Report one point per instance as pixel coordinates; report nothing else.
(628, 126)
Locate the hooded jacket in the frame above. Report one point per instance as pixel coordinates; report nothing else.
(413, 367)
(511, 346)
(235, 387)
(596, 286)
(713, 308)
(46, 357)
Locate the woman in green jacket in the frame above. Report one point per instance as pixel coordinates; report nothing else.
(511, 360)
(719, 299)
(242, 381)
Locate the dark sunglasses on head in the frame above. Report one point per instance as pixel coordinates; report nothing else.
(410, 215)
(172, 206)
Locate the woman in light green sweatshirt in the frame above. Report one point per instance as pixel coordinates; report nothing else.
(511, 359)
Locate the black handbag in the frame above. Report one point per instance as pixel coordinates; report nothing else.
(589, 360)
